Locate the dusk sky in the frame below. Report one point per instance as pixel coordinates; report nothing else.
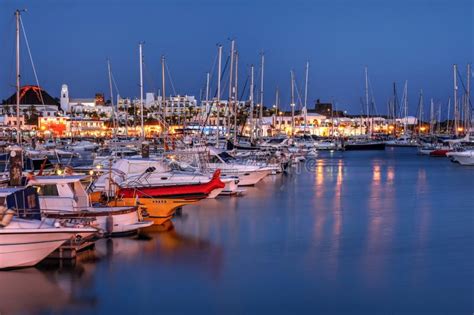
(414, 40)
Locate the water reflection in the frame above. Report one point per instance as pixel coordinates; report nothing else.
(173, 248)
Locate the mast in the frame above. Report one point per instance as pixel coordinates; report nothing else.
(420, 114)
(207, 98)
(405, 105)
(219, 66)
(432, 119)
(277, 105)
(292, 103)
(111, 97)
(468, 99)
(236, 101)
(449, 110)
(306, 96)
(140, 47)
(251, 101)
(163, 90)
(369, 129)
(395, 108)
(261, 90)
(455, 70)
(18, 126)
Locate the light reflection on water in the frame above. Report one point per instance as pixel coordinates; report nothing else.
(364, 232)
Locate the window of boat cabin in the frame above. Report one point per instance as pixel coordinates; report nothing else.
(47, 190)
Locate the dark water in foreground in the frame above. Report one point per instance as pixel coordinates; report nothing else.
(355, 232)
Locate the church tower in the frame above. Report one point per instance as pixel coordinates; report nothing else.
(65, 99)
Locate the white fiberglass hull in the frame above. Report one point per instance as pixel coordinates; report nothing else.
(26, 250)
(252, 178)
(24, 243)
(112, 221)
(463, 158)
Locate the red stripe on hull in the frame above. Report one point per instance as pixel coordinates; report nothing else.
(175, 191)
(439, 153)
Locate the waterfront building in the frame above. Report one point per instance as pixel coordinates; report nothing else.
(33, 100)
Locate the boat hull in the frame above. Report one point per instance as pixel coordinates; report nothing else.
(112, 222)
(365, 146)
(158, 210)
(178, 191)
(28, 249)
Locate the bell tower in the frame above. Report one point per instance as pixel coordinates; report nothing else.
(65, 99)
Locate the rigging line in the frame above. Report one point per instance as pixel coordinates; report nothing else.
(213, 68)
(149, 77)
(222, 75)
(463, 86)
(115, 83)
(31, 60)
(374, 105)
(169, 77)
(244, 88)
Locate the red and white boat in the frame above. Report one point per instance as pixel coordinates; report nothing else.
(170, 185)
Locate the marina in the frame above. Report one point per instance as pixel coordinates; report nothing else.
(262, 193)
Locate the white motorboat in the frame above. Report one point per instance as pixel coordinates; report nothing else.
(248, 175)
(462, 157)
(64, 197)
(81, 146)
(136, 173)
(25, 239)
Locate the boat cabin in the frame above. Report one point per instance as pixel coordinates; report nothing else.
(61, 193)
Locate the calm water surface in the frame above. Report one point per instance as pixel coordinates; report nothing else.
(361, 232)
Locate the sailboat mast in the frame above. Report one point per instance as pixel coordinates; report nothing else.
(111, 97)
(367, 100)
(455, 70)
(405, 120)
(140, 48)
(18, 126)
(468, 99)
(261, 90)
(236, 101)
(163, 90)
(229, 106)
(420, 114)
(292, 103)
(277, 106)
(219, 67)
(432, 119)
(306, 96)
(251, 101)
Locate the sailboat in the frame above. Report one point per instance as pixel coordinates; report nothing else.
(367, 143)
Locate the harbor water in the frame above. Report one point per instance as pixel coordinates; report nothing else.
(386, 232)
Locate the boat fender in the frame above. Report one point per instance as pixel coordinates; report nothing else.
(109, 224)
(7, 217)
(3, 209)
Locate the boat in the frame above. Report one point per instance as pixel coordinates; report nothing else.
(402, 141)
(248, 175)
(366, 145)
(465, 157)
(25, 238)
(169, 185)
(63, 197)
(152, 178)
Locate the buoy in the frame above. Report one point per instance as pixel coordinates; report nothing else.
(109, 224)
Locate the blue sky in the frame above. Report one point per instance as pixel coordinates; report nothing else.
(414, 40)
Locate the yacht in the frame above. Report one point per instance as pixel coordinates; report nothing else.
(63, 197)
(26, 239)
